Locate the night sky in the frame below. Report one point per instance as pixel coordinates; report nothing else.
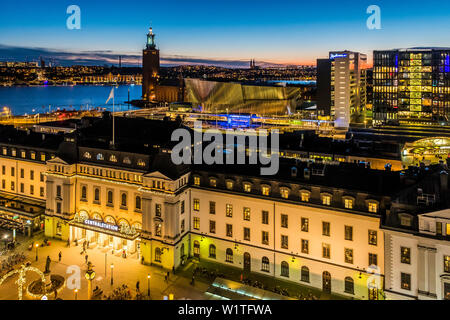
(217, 32)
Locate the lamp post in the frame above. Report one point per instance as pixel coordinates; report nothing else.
(37, 246)
(6, 240)
(76, 294)
(112, 275)
(148, 285)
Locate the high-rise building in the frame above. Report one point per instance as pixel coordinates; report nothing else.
(150, 68)
(411, 86)
(343, 70)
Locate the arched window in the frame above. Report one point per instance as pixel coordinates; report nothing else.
(138, 203)
(305, 274)
(83, 193)
(123, 203)
(265, 264)
(349, 285)
(284, 269)
(127, 160)
(158, 229)
(212, 251)
(100, 157)
(229, 256)
(97, 194)
(110, 197)
(158, 254)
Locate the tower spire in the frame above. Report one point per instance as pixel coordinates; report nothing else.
(151, 39)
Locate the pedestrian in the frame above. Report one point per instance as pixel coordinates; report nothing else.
(168, 275)
(68, 243)
(60, 256)
(137, 286)
(86, 258)
(165, 278)
(173, 270)
(193, 280)
(76, 242)
(87, 245)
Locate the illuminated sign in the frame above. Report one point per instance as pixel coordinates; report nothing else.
(101, 224)
(337, 55)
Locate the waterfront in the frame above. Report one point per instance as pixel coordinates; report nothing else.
(28, 100)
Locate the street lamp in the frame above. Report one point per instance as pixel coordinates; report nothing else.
(112, 277)
(148, 285)
(89, 275)
(76, 294)
(37, 246)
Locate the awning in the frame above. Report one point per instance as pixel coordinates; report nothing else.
(118, 234)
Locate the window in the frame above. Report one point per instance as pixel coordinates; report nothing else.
(229, 256)
(42, 177)
(41, 191)
(305, 224)
(12, 172)
(141, 163)
(373, 259)
(158, 229)
(32, 175)
(58, 207)
(229, 210)
(405, 281)
(100, 157)
(182, 207)
(348, 233)
(265, 190)
(230, 184)
(326, 251)
(13, 152)
(349, 285)
(123, 203)
(373, 207)
(3, 184)
(304, 196)
(246, 214)
(22, 173)
(405, 220)
(31, 189)
(284, 269)
(247, 234)
(447, 264)
(348, 203)
(247, 187)
(284, 242)
(196, 204)
(110, 197)
(348, 255)
(22, 188)
(197, 181)
(284, 193)
(86, 155)
(326, 200)
(183, 226)
(265, 217)
(265, 264)
(158, 255)
(42, 156)
(3, 170)
(405, 255)
(33, 155)
(138, 203)
(213, 182)
(305, 274)
(439, 228)
(265, 237)
(12, 186)
(196, 223)
(113, 158)
(373, 237)
(326, 229)
(229, 230)
(212, 226)
(284, 220)
(212, 207)
(305, 246)
(212, 251)
(58, 191)
(97, 195)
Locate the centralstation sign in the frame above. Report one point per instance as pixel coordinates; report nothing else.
(100, 224)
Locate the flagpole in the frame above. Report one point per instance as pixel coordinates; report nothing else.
(114, 127)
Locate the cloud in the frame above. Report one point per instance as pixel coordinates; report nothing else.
(66, 58)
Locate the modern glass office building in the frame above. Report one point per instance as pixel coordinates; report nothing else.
(411, 86)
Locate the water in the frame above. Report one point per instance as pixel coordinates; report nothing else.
(29, 100)
(294, 82)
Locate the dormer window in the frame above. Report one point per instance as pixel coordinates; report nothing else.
(33, 155)
(230, 184)
(305, 195)
(13, 152)
(87, 155)
(141, 163)
(247, 187)
(265, 190)
(197, 180)
(348, 203)
(23, 154)
(372, 206)
(127, 160)
(284, 192)
(213, 182)
(326, 199)
(42, 156)
(5, 151)
(100, 157)
(405, 219)
(113, 158)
